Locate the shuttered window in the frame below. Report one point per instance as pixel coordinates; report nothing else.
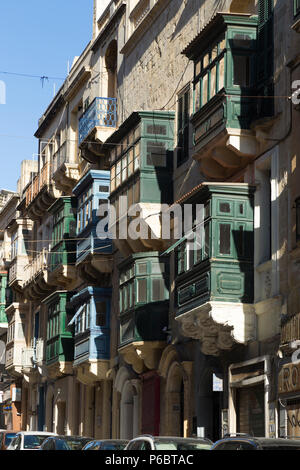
(183, 128)
(265, 57)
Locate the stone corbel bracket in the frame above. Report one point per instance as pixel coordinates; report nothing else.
(219, 325)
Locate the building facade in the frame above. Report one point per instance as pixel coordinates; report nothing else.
(117, 326)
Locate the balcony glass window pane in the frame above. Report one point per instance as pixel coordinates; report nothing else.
(206, 241)
(181, 253)
(221, 74)
(156, 153)
(213, 78)
(124, 168)
(198, 67)
(136, 192)
(224, 239)
(141, 268)
(130, 162)
(141, 290)
(204, 89)
(240, 241)
(197, 95)
(214, 52)
(130, 294)
(157, 268)
(206, 60)
(241, 70)
(130, 196)
(158, 289)
(137, 152)
(222, 44)
(101, 313)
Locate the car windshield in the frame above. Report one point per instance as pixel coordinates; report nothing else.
(113, 446)
(181, 445)
(8, 438)
(33, 441)
(76, 444)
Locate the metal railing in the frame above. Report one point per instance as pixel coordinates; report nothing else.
(102, 112)
(39, 181)
(59, 157)
(37, 265)
(290, 329)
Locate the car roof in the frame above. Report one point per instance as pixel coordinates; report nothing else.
(270, 441)
(36, 433)
(174, 438)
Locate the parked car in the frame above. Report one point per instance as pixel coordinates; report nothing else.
(28, 440)
(247, 442)
(106, 444)
(6, 437)
(65, 443)
(168, 443)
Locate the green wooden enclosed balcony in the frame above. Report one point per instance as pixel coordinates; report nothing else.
(59, 342)
(144, 307)
(214, 268)
(62, 271)
(225, 56)
(141, 159)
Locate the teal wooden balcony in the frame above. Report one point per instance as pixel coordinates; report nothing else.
(62, 270)
(214, 278)
(144, 307)
(225, 55)
(59, 342)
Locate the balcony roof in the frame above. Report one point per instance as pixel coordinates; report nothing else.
(213, 28)
(89, 178)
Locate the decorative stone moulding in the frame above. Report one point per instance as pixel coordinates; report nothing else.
(219, 325)
(92, 371)
(143, 354)
(66, 177)
(59, 369)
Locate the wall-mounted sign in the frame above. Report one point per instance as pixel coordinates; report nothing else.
(289, 378)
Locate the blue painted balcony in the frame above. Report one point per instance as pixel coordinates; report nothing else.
(91, 325)
(95, 126)
(94, 255)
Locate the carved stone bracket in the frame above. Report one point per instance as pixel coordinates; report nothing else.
(218, 325)
(143, 354)
(92, 371)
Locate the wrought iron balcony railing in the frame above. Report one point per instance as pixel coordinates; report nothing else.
(102, 112)
(290, 329)
(40, 180)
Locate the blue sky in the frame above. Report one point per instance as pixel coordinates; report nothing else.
(37, 38)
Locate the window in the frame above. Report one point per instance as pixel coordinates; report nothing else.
(183, 118)
(53, 320)
(296, 7)
(224, 239)
(85, 210)
(156, 153)
(209, 74)
(143, 282)
(297, 203)
(14, 245)
(100, 313)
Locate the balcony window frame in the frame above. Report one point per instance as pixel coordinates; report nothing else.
(84, 210)
(183, 125)
(129, 281)
(297, 206)
(205, 70)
